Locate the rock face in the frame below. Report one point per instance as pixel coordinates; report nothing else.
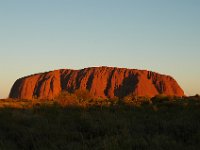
(103, 82)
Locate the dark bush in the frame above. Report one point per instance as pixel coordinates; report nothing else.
(161, 98)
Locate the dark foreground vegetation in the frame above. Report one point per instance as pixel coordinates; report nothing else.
(160, 124)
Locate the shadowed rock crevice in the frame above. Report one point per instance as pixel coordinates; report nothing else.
(89, 82)
(128, 86)
(109, 83)
(104, 82)
(40, 82)
(64, 80)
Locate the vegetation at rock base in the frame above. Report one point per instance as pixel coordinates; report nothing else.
(131, 123)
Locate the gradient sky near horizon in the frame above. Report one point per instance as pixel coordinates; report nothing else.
(158, 35)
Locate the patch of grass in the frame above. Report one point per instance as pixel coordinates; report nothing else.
(173, 124)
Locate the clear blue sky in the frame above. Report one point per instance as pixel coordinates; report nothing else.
(43, 35)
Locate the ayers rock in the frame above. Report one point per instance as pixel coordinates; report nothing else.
(104, 82)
